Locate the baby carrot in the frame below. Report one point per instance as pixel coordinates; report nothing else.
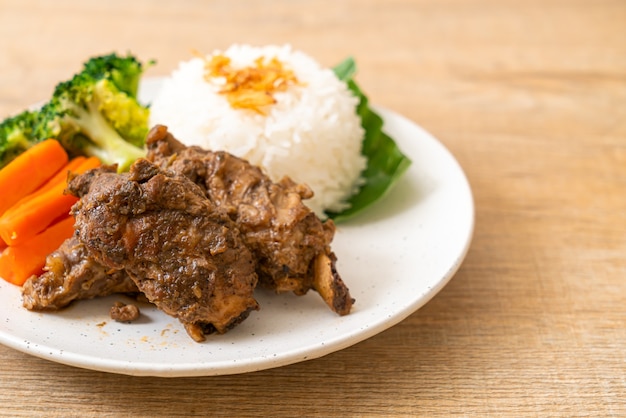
(29, 171)
(22, 222)
(19, 262)
(59, 177)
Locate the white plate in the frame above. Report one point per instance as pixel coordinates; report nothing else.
(394, 258)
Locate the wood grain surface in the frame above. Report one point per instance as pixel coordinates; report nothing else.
(528, 95)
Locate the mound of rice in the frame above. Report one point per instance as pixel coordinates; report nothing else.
(311, 133)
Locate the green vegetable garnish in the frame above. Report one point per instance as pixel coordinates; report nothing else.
(385, 161)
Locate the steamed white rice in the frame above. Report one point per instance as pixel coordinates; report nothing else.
(312, 133)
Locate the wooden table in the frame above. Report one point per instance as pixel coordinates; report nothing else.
(529, 96)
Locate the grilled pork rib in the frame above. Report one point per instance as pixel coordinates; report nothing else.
(185, 256)
(195, 231)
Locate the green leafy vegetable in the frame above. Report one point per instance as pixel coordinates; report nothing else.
(385, 161)
(345, 69)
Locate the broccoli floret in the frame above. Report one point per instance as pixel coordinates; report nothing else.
(124, 72)
(92, 116)
(95, 113)
(16, 135)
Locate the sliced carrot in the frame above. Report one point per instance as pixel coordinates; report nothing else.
(29, 171)
(20, 223)
(59, 177)
(19, 262)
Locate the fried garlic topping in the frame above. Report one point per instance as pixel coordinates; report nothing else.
(250, 87)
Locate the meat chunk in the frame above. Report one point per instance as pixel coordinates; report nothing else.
(71, 273)
(182, 252)
(122, 312)
(284, 235)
